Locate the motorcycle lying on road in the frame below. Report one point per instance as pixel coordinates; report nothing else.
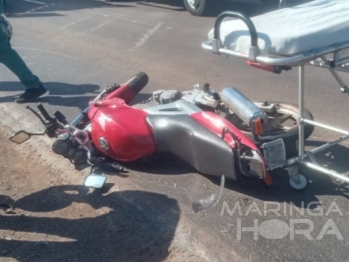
(221, 134)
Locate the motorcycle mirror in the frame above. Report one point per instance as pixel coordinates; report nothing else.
(95, 180)
(20, 137)
(211, 201)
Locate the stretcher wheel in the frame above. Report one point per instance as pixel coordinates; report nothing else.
(299, 182)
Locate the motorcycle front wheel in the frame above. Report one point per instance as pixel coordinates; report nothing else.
(282, 122)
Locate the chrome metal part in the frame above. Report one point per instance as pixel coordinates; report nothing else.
(200, 97)
(244, 108)
(80, 117)
(274, 153)
(266, 107)
(344, 88)
(328, 127)
(103, 143)
(327, 171)
(301, 110)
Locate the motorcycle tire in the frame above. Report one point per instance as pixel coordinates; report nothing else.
(291, 133)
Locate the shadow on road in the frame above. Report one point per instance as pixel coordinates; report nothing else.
(127, 226)
(161, 164)
(319, 185)
(59, 94)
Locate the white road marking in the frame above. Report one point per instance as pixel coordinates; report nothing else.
(46, 51)
(100, 25)
(119, 68)
(34, 2)
(75, 22)
(147, 35)
(34, 9)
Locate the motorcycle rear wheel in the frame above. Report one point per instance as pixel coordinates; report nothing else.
(282, 124)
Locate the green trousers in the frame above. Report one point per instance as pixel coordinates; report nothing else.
(14, 62)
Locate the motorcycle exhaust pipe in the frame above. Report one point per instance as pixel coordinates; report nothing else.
(243, 107)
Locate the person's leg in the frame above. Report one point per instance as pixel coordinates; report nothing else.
(14, 62)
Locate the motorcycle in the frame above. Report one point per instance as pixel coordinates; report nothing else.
(221, 134)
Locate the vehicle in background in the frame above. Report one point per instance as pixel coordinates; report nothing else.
(204, 7)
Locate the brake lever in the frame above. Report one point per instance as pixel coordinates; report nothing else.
(106, 91)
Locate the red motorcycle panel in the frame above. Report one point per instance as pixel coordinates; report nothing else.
(215, 123)
(125, 129)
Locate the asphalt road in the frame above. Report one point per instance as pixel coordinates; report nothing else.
(78, 47)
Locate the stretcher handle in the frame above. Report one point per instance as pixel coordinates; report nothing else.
(238, 15)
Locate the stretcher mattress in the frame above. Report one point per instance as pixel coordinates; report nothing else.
(289, 31)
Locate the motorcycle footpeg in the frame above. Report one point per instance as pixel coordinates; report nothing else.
(116, 166)
(101, 161)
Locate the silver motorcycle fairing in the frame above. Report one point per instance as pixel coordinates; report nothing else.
(179, 107)
(193, 143)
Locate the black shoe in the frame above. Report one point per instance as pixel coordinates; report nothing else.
(31, 94)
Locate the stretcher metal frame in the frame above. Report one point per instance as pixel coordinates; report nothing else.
(276, 64)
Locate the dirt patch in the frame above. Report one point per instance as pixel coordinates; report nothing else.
(45, 218)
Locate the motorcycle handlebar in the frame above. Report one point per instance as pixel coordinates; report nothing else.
(137, 83)
(43, 112)
(134, 85)
(131, 88)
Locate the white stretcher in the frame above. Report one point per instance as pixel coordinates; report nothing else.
(316, 33)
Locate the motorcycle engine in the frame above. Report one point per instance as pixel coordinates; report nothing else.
(160, 97)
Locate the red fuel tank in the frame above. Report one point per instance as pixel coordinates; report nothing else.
(121, 131)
